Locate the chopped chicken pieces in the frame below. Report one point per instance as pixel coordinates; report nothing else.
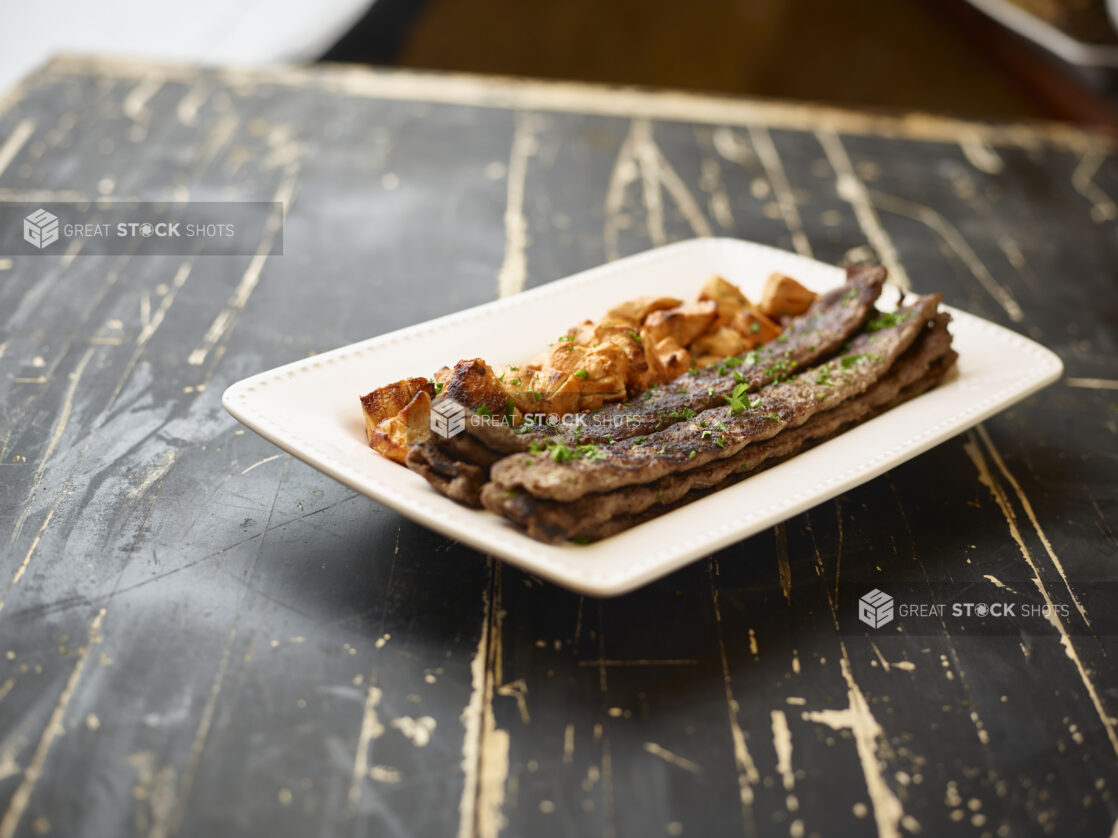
(397, 415)
(782, 296)
(669, 360)
(721, 344)
(754, 326)
(683, 323)
(635, 311)
(727, 296)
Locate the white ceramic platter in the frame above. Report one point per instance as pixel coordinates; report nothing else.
(310, 408)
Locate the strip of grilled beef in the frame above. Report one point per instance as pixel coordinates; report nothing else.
(721, 432)
(458, 480)
(550, 520)
(833, 319)
(619, 523)
(458, 467)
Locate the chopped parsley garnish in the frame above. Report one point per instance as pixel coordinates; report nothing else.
(782, 339)
(484, 411)
(889, 320)
(439, 386)
(824, 378)
(560, 452)
(755, 326)
(693, 454)
(751, 358)
(635, 336)
(772, 417)
(515, 382)
(566, 337)
(591, 452)
(850, 360)
(583, 374)
(739, 399)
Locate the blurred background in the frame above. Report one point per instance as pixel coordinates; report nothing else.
(994, 59)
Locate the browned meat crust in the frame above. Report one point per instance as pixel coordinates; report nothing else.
(721, 432)
(457, 480)
(938, 371)
(550, 520)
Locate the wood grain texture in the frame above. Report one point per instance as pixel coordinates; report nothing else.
(200, 636)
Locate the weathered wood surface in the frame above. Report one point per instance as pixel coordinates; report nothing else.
(199, 636)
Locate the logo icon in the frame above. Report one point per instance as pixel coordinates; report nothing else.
(875, 609)
(448, 418)
(40, 228)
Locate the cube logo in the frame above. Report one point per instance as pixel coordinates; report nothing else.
(448, 418)
(875, 609)
(40, 228)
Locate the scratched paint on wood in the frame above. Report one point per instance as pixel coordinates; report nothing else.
(232, 643)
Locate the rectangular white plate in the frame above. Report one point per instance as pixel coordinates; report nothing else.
(310, 408)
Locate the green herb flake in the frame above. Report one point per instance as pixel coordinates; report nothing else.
(583, 374)
(889, 320)
(739, 399)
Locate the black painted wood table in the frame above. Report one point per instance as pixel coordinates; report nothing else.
(202, 636)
